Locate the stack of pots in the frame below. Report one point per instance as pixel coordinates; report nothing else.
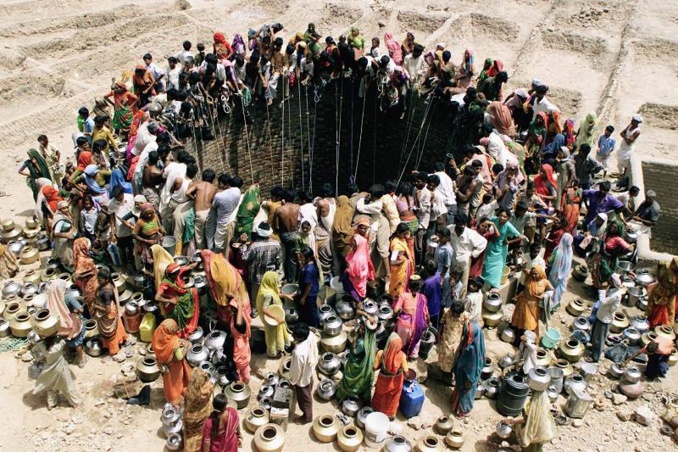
(631, 386)
(492, 313)
(333, 338)
(171, 420)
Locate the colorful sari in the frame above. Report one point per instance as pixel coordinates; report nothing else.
(501, 119)
(169, 353)
(450, 336)
(9, 264)
(560, 264)
(571, 205)
(226, 439)
(586, 129)
(39, 171)
(468, 363)
(400, 274)
(359, 369)
(359, 268)
(391, 363)
(197, 408)
(111, 329)
(277, 337)
(544, 184)
(161, 260)
(85, 274)
(527, 312)
(412, 320)
(47, 200)
(249, 207)
(662, 299)
(123, 108)
(242, 355)
(496, 251)
(147, 230)
(186, 311)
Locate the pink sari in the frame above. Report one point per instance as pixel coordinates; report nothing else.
(359, 265)
(226, 440)
(411, 321)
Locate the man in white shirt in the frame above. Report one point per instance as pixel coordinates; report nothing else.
(414, 65)
(608, 303)
(423, 212)
(224, 204)
(304, 361)
(467, 244)
(446, 190)
(173, 71)
(119, 207)
(540, 102)
(181, 56)
(158, 74)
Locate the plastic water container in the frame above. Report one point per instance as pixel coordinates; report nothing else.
(147, 327)
(376, 429)
(411, 399)
(551, 338)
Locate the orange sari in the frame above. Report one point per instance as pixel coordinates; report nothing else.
(85, 274)
(391, 363)
(165, 343)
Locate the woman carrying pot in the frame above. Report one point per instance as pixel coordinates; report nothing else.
(277, 337)
(468, 363)
(170, 351)
(106, 311)
(63, 234)
(537, 427)
(69, 311)
(358, 374)
(527, 312)
(178, 302)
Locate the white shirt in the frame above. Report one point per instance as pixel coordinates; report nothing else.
(544, 105)
(423, 207)
(373, 209)
(474, 306)
(120, 210)
(414, 66)
(308, 212)
(496, 148)
(446, 188)
(156, 71)
(528, 354)
(468, 245)
(173, 77)
(181, 56)
(609, 303)
(143, 138)
(143, 158)
(625, 149)
(304, 360)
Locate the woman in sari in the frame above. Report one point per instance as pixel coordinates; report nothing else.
(342, 230)
(411, 309)
(35, 168)
(663, 295)
(537, 427)
(177, 302)
(392, 365)
(47, 203)
(358, 374)
(586, 130)
(603, 263)
(451, 326)
(239, 326)
(501, 119)
(560, 265)
(401, 261)
(144, 85)
(527, 312)
(222, 49)
(570, 136)
(545, 184)
(554, 236)
(71, 326)
(570, 206)
(197, 408)
(9, 265)
(536, 139)
(148, 231)
(468, 363)
(85, 274)
(124, 106)
(118, 178)
(497, 248)
(394, 48)
(356, 41)
(222, 428)
(406, 205)
(408, 44)
(106, 311)
(161, 260)
(170, 351)
(63, 233)
(359, 267)
(249, 207)
(277, 337)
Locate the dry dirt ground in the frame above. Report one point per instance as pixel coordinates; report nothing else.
(615, 57)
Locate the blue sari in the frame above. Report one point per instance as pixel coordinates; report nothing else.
(470, 359)
(117, 178)
(497, 249)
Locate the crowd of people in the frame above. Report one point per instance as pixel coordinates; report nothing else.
(507, 197)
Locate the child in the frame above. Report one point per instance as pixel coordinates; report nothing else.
(487, 208)
(534, 203)
(606, 145)
(305, 238)
(433, 292)
(474, 300)
(88, 219)
(309, 285)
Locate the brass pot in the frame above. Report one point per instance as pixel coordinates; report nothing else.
(48, 274)
(269, 438)
(30, 223)
(31, 233)
(334, 344)
(65, 277)
(148, 369)
(572, 350)
(349, 438)
(29, 254)
(576, 307)
(45, 323)
(255, 418)
(492, 319)
(20, 325)
(543, 358)
(619, 322)
(7, 225)
(444, 424)
(239, 393)
(119, 281)
(32, 276)
(12, 309)
(8, 236)
(429, 443)
(455, 439)
(665, 331)
(325, 428)
(91, 328)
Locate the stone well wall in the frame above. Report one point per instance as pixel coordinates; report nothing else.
(662, 177)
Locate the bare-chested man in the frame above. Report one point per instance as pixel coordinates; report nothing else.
(180, 204)
(202, 192)
(286, 222)
(151, 179)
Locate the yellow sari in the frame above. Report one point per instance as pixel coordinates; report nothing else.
(277, 337)
(400, 274)
(161, 259)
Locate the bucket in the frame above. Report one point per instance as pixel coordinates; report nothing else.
(338, 287)
(169, 243)
(376, 429)
(505, 274)
(551, 338)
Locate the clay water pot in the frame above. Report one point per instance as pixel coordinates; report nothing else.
(666, 332)
(455, 439)
(576, 307)
(632, 390)
(325, 428)
(269, 438)
(443, 425)
(349, 438)
(429, 443)
(148, 369)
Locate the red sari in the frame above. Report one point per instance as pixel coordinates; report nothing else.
(165, 343)
(226, 439)
(185, 315)
(570, 208)
(391, 364)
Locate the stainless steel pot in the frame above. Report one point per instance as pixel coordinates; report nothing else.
(332, 325)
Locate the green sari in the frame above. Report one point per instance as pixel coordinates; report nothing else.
(359, 369)
(36, 172)
(249, 207)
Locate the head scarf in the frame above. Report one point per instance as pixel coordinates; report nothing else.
(496, 68)
(237, 41)
(394, 48)
(197, 406)
(548, 170)
(583, 135)
(42, 170)
(343, 219)
(562, 262)
(69, 324)
(555, 145)
(555, 124)
(89, 174)
(165, 341)
(47, 196)
(539, 426)
(666, 290)
(569, 132)
(270, 283)
(471, 352)
(534, 285)
(161, 259)
(501, 118)
(544, 118)
(393, 356)
(219, 38)
(84, 160)
(117, 178)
